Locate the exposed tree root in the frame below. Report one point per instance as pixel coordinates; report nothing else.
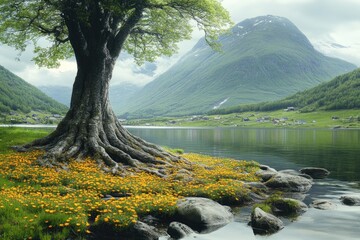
(114, 148)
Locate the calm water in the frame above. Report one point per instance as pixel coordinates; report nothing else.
(336, 150)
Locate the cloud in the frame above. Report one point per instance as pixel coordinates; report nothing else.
(326, 23)
(11, 59)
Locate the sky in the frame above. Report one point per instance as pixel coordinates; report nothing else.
(332, 26)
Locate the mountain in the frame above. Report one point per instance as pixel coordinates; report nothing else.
(340, 93)
(61, 94)
(122, 94)
(119, 94)
(263, 58)
(18, 95)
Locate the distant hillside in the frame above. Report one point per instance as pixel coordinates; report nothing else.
(119, 94)
(264, 58)
(340, 93)
(61, 94)
(18, 95)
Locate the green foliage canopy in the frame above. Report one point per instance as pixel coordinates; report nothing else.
(144, 28)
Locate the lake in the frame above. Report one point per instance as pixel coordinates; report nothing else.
(338, 150)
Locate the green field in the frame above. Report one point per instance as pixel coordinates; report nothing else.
(11, 136)
(279, 118)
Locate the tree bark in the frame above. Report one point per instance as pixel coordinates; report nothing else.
(90, 128)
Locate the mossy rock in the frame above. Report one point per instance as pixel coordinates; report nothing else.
(287, 206)
(282, 206)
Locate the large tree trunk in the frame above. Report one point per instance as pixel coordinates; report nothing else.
(90, 128)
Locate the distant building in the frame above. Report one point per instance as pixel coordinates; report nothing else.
(288, 109)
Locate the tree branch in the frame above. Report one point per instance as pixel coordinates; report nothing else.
(125, 30)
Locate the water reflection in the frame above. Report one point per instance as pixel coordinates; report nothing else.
(337, 150)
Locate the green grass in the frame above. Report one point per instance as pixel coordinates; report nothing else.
(295, 119)
(11, 136)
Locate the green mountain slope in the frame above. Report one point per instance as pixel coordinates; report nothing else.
(264, 58)
(340, 93)
(18, 95)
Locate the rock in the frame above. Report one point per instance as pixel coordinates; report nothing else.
(257, 185)
(254, 197)
(149, 219)
(202, 214)
(178, 230)
(142, 231)
(265, 174)
(350, 200)
(265, 223)
(266, 168)
(118, 195)
(288, 182)
(288, 206)
(296, 173)
(289, 171)
(322, 204)
(316, 173)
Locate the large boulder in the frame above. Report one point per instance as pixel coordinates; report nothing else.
(316, 173)
(350, 200)
(265, 223)
(266, 174)
(178, 230)
(289, 182)
(142, 231)
(202, 214)
(256, 185)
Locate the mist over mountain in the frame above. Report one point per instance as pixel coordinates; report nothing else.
(62, 94)
(263, 58)
(119, 94)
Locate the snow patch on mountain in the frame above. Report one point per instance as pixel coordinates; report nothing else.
(221, 103)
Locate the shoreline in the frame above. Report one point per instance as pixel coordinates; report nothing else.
(34, 126)
(140, 197)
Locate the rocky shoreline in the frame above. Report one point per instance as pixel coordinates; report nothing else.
(277, 196)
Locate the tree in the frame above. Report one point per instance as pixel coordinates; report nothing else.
(96, 32)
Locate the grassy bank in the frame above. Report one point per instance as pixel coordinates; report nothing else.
(33, 117)
(280, 118)
(10, 136)
(44, 203)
